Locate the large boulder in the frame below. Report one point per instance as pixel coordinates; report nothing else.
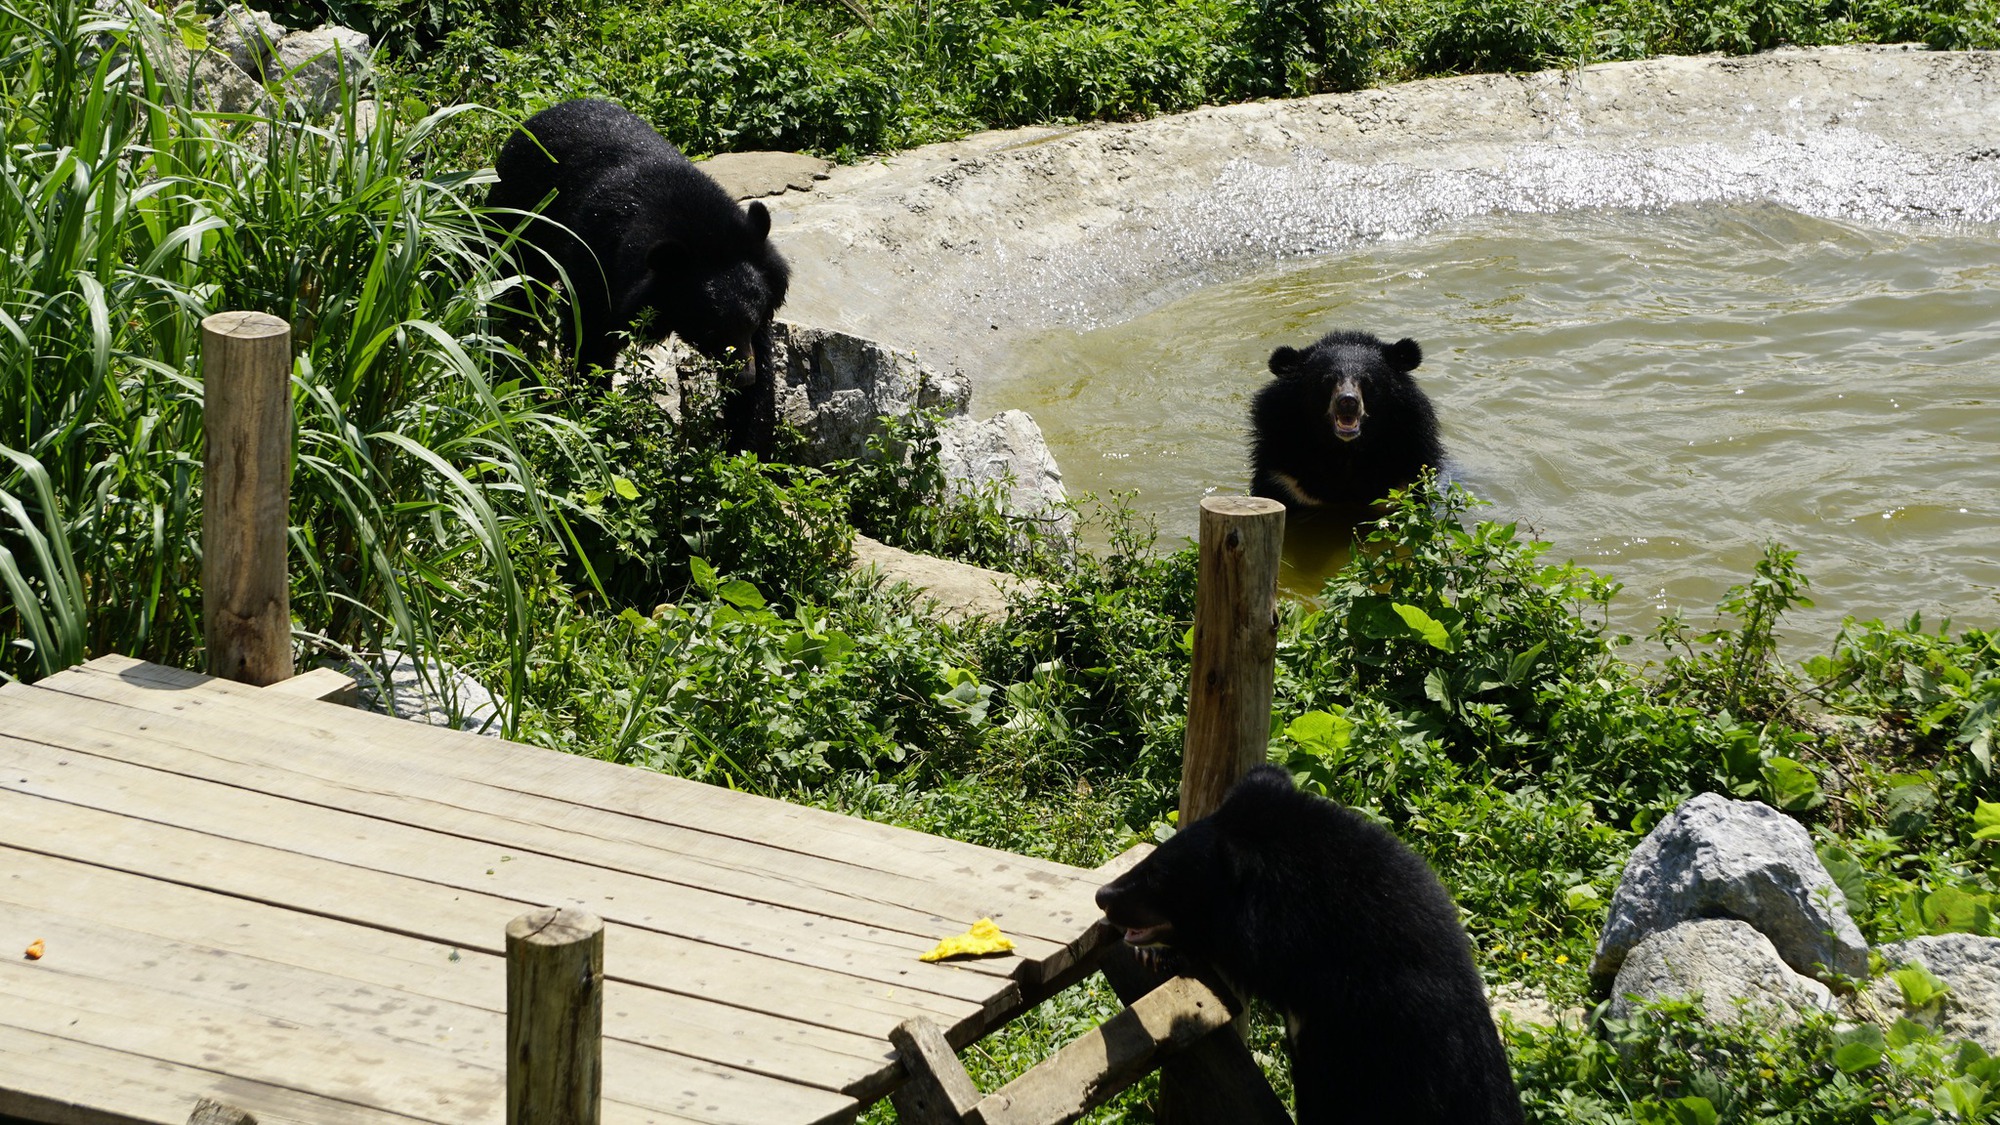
(1968, 964)
(1007, 452)
(248, 38)
(961, 591)
(836, 388)
(316, 63)
(1718, 858)
(1728, 968)
(833, 388)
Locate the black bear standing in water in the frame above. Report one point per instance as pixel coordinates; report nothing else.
(1341, 927)
(1343, 423)
(646, 233)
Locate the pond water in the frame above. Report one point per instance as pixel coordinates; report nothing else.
(1658, 394)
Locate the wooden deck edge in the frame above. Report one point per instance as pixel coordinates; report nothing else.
(326, 685)
(1122, 862)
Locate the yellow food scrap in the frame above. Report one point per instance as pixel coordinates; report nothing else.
(983, 937)
(34, 952)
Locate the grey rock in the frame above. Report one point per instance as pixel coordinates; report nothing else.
(836, 388)
(1969, 964)
(315, 64)
(428, 692)
(248, 38)
(1725, 966)
(1715, 857)
(1516, 1002)
(750, 175)
(1007, 452)
(961, 590)
(833, 387)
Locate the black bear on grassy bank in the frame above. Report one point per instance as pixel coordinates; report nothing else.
(1337, 924)
(1342, 424)
(647, 233)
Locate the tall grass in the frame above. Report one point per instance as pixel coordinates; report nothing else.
(127, 214)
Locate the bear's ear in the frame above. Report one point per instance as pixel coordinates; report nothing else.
(760, 221)
(1286, 361)
(1404, 354)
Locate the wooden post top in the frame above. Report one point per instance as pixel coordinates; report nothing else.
(554, 925)
(245, 325)
(1242, 506)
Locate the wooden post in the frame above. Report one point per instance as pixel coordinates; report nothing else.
(938, 1091)
(246, 611)
(555, 1018)
(1228, 730)
(1235, 647)
(1215, 1079)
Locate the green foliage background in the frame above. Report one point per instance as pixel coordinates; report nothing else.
(847, 79)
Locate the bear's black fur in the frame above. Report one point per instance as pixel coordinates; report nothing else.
(647, 231)
(1341, 927)
(1342, 424)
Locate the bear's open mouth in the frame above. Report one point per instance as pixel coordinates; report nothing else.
(1347, 428)
(1147, 937)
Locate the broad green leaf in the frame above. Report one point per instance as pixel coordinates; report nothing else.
(1986, 821)
(1920, 988)
(1858, 1048)
(1523, 663)
(1850, 876)
(1793, 786)
(737, 592)
(625, 488)
(1424, 625)
(1435, 688)
(1950, 910)
(702, 573)
(1321, 731)
(1583, 898)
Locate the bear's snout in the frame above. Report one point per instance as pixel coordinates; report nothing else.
(1348, 411)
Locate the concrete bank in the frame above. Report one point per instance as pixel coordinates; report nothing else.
(962, 250)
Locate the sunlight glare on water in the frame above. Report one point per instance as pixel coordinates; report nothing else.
(1658, 394)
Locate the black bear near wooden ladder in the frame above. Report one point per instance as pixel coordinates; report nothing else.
(1174, 1024)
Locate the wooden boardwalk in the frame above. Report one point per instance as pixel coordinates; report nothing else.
(298, 908)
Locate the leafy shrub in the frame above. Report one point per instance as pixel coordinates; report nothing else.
(1312, 46)
(1473, 36)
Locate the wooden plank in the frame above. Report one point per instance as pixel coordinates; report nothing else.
(238, 1017)
(1087, 1071)
(943, 863)
(373, 1071)
(65, 1081)
(1025, 895)
(729, 1036)
(464, 919)
(385, 785)
(325, 685)
(208, 1111)
(80, 777)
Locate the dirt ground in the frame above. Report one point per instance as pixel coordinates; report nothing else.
(959, 249)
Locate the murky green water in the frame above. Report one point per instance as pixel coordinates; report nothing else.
(1657, 394)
